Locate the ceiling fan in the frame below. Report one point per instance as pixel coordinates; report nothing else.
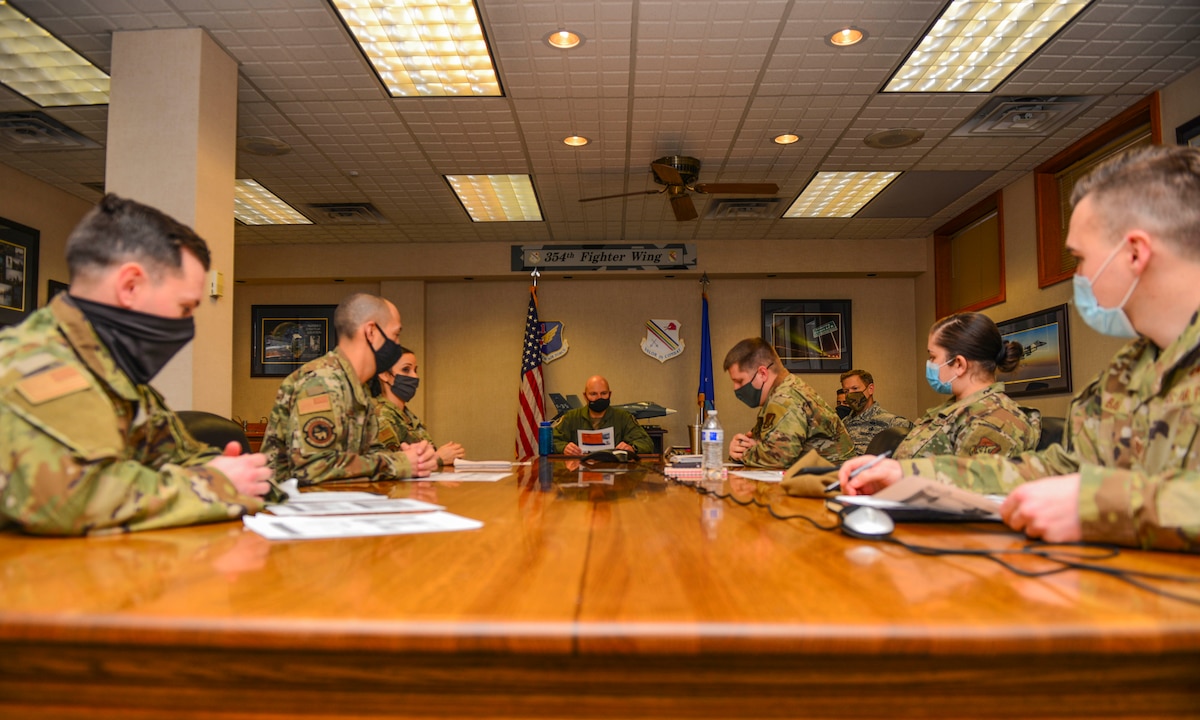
(678, 174)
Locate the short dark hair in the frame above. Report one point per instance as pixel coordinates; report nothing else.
(752, 352)
(866, 376)
(357, 310)
(976, 337)
(1155, 187)
(118, 230)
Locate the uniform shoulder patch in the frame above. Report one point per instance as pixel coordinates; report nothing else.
(316, 403)
(986, 446)
(318, 432)
(52, 384)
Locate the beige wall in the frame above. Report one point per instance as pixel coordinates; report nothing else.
(50, 211)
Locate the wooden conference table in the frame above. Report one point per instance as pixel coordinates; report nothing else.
(584, 595)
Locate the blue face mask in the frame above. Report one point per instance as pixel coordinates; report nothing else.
(933, 377)
(1106, 321)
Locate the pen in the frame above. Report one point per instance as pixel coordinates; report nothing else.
(881, 456)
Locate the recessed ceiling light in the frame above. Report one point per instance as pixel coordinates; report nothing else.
(786, 139)
(253, 204)
(423, 47)
(974, 46)
(839, 194)
(497, 198)
(563, 39)
(43, 69)
(846, 37)
(576, 141)
(894, 138)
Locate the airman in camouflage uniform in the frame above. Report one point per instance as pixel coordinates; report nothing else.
(792, 417)
(987, 422)
(864, 426)
(398, 426)
(322, 426)
(86, 445)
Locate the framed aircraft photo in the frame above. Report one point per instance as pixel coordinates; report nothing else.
(1045, 368)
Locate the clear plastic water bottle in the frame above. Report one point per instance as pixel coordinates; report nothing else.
(712, 447)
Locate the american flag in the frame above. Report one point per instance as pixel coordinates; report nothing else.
(532, 406)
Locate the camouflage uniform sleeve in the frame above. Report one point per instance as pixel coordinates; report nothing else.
(781, 434)
(321, 423)
(67, 470)
(1130, 508)
(1000, 432)
(990, 474)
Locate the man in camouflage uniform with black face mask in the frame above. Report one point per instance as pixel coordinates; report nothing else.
(867, 417)
(792, 418)
(86, 445)
(1128, 469)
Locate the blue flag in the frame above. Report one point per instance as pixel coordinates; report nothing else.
(705, 396)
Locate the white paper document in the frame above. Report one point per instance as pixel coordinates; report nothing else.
(760, 475)
(483, 465)
(344, 526)
(465, 476)
(593, 440)
(333, 505)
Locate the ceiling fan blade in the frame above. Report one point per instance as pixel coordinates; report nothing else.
(737, 188)
(606, 197)
(683, 207)
(667, 174)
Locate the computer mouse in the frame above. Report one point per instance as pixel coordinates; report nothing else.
(867, 522)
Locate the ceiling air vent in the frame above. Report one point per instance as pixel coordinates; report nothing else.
(743, 208)
(346, 214)
(38, 132)
(1024, 116)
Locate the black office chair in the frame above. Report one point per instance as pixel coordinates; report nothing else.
(212, 429)
(888, 440)
(1052, 431)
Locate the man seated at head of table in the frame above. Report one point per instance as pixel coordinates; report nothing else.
(1128, 468)
(599, 415)
(322, 426)
(86, 444)
(792, 418)
(398, 424)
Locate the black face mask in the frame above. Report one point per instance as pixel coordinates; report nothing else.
(843, 411)
(141, 344)
(598, 405)
(386, 354)
(404, 387)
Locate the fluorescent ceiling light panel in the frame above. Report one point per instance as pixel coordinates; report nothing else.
(253, 204)
(40, 67)
(423, 47)
(974, 46)
(497, 198)
(839, 194)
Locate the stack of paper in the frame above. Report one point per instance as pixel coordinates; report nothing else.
(332, 514)
(483, 465)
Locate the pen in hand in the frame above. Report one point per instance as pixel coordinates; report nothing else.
(871, 463)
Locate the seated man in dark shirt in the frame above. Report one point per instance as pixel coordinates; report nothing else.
(627, 434)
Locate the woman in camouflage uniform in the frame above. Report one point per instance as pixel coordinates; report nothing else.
(397, 424)
(965, 351)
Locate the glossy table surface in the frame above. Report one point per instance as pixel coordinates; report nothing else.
(600, 568)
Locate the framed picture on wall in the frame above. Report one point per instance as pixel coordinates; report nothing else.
(287, 336)
(1189, 133)
(1045, 368)
(54, 287)
(18, 271)
(809, 335)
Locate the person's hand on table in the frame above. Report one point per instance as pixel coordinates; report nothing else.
(449, 452)
(1046, 509)
(421, 456)
(572, 449)
(871, 480)
(249, 473)
(626, 447)
(739, 445)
